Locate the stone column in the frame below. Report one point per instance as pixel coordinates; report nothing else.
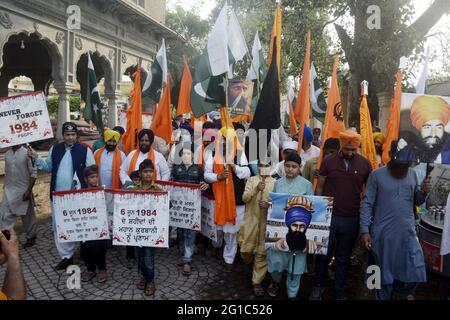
(112, 119)
(384, 102)
(63, 90)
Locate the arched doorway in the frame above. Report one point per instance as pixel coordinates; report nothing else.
(31, 56)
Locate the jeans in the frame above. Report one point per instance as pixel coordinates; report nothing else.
(343, 233)
(94, 254)
(131, 254)
(188, 244)
(146, 257)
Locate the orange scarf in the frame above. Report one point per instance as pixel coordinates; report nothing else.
(151, 156)
(224, 200)
(117, 162)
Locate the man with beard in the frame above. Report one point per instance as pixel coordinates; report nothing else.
(341, 176)
(289, 254)
(145, 151)
(429, 115)
(109, 159)
(387, 226)
(237, 90)
(378, 139)
(64, 160)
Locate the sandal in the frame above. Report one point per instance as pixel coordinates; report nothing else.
(141, 284)
(258, 290)
(150, 289)
(273, 289)
(87, 276)
(102, 276)
(186, 269)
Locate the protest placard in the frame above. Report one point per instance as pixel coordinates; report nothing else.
(24, 119)
(319, 228)
(141, 218)
(185, 204)
(80, 215)
(208, 227)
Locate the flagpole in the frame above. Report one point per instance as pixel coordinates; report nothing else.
(226, 119)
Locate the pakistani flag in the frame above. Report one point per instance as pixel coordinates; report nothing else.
(317, 96)
(257, 70)
(156, 78)
(226, 45)
(93, 109)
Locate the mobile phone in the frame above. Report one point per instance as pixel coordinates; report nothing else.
(7, 236)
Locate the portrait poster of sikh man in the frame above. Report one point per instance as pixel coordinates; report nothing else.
(424, 134)
(240, 96)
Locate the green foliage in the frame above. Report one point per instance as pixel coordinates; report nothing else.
(52, 105)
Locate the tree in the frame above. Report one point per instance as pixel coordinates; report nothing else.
(373, 54)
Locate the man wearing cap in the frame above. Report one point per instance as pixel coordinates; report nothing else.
(309, 150)
(228, 184)
(387, 226)
(145, 151)
(109, 159)
(341, 176)
(429, 115)
(65, 160)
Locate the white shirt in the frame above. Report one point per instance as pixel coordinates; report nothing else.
(211, 177)
(106, 165)
(162, 169)
(313, 152)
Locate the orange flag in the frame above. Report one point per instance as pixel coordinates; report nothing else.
(334, 118)
(367, 143)
(276, 32)
(292, 123)
(393, 125)
(162, 119)
(134, 116)
(303, 107)
(184, 98)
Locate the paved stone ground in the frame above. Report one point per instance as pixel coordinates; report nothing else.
(207, 281)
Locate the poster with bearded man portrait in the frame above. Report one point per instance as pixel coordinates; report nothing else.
(240, 96)
(424, 128)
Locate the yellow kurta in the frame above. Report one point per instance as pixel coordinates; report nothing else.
(251, 236)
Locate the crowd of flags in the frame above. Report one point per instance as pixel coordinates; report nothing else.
(206, 91)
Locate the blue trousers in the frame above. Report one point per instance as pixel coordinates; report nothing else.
(146, 258)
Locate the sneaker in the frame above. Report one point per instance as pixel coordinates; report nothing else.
(273, 289)
(102, 276)
(64, 263)
(30, 242)
(186, 269)
(316, 293)
(87, 276)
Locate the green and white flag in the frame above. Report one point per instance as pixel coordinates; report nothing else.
(93, 109)
(236, 43)
(257, 68)
(157, 77)
(317, 96)
(208, 85)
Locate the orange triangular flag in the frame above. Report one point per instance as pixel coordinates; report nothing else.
(162, 119)
(134, 116)
(303, 107)
(393, 125)
(334, 118)
(367, 143)
(184, 98)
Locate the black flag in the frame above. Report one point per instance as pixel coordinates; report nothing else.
(267, 114)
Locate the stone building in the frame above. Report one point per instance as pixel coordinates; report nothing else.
(48, 40)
